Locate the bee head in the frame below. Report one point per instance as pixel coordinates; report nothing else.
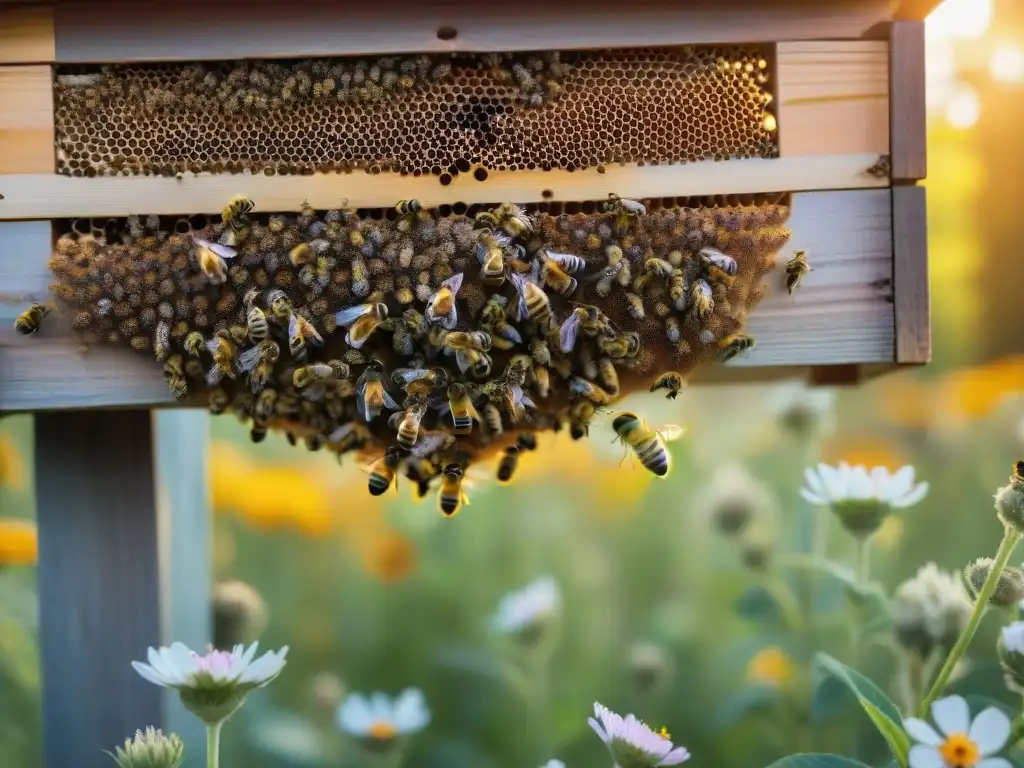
(393, 454)
(453, 471)
(380, 309)
(623, 421)
(511, 450)
(527, 441)
(1018, 469)
(455, 391)
(375, 365)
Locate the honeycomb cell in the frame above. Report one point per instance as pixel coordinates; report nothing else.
(408, 115)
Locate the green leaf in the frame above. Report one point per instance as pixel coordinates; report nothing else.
(758, 604)
(879, 708)
(817, 761)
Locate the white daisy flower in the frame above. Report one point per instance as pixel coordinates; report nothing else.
(862, 499)
(959, 742)
(1011, 656)
(526, 612)
(378, 720)
(632, 744)
(212, 686)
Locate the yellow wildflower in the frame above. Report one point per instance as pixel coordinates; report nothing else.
(973, 393)
(770, 666)
(391, 558)
(616, 490)
(905, 401)
(277, 497)
(230, 469)
(19, 544)
(12, 469)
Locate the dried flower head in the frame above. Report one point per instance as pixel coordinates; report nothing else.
(649, 666)
(1009, 587)
(1010, 500)
(930, 611)
(734, 498)
(239, 614)
(150, 749)
(803, 411)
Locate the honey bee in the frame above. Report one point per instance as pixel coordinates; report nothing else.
(441, 306)
(265, 406)
(620, 345)
(421, 470)
(384, 471)
(162, 340)
(508, 217)
(796, 268)
(566, 261)
(420, 382)
(213, 258)
(224, 354)
(648, 444)
(364, 319)
(218, 401)
(672, 381)
(300, 254)
(582, 317)
(309, 374)
(279, 305)
(28, 322)
(372, 396)
(301, 331)
(624, 210)
(174, 372)
(237, 209)
(494, 322)
(492, 267)
(678, 290)
(408, 207)
(635, 306)
(194, 344)
(462, 409)
(558, 279)
(609, 376)
(541, 380)
(259, 362)
(526, 441)
(257, 328)
(587, 390)
(702, 298)
(507, 465)
(492, 419)
(258, 433)
(718, 265)
(533, 303)
(734, 345)
(451, 496)
(409, 426)
(581, 413)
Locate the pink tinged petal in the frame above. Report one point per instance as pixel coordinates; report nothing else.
(148, 673)
(675, 757)
(599, 730)
(913, 497)
(952, 715)
(920, 731)
(990, 730)
(995, 762)
(813, 498)
(922, 756)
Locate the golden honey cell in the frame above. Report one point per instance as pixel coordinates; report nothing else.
(415, 114)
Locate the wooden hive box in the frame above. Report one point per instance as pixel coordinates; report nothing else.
(841, 143)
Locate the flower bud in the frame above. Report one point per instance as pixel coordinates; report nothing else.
(649, 667)
(150, 749)
(756, 556)
(327, 691)
(1011, 656)
(1009, 588)
(734, 499)
(930, 611)
(239, 615)
(1010, 501)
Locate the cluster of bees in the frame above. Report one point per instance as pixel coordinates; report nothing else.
(426, 341)
(265, 85)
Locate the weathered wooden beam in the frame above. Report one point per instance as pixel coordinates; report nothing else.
(99, 597)
(909, 152)
(26, 34)
(26, 121)
(910, 275)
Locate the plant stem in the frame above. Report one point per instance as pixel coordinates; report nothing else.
(863, 560)
(213, 745)
(1006, 547)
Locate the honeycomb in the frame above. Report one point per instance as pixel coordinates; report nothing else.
(635, 284)
(418, 115)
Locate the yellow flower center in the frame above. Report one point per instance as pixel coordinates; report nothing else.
(958, 751)
(665, 734)
(381, 730)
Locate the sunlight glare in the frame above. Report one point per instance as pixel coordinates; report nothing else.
(965, 19)
(1007, 63)
(963, 108)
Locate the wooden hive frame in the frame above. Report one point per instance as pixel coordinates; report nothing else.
(849, 89)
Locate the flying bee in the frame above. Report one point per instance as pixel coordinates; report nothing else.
(259, 362)
(213, 258)
(702, 298)
(609, 376)
(301, 331)
(558, 279)
(194, 344)
(620, 345)
(441, 306)
(364, 319)
(588, 390)
(648, 444)
(308, 374)
(533, 303)
(279, 305)
(507, 465)
(409, 426)
(162, 340)
(384, 471)
(28, 322)
(568, 262)
(463, 411)
(718, 265)
(526, 441)
(224, 354)
(796, 268)
(734, 345)
(451, 496)
(672, 381)
(624, 210)
(372, 396)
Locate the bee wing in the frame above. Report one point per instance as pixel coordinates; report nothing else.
(214, 375)
(405, 376)
(430, 442)
(212, 344)
(351, 314)
(294, 328)
(341, 432)
(462, 360)
(389, 401)
(453, 283)
(247, 359)
(451, 320)
(224, 251)
(311, 333)
(520, 283)
(671, 432)
(568, 332)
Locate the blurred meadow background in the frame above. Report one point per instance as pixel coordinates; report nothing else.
(674, 594)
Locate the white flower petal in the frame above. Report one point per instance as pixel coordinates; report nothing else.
(902, 481)
(922, 756)
(599, 730)
(675, 757)
(354, 716)
(995, 762)
(814, 482)
(813, 498)
(148, 674)
(920, 731)
(990, 730)
(410, 713)
(912, 497)
(952, 715)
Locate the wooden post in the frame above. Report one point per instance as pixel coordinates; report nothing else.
(182, 437)
(98, 581)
